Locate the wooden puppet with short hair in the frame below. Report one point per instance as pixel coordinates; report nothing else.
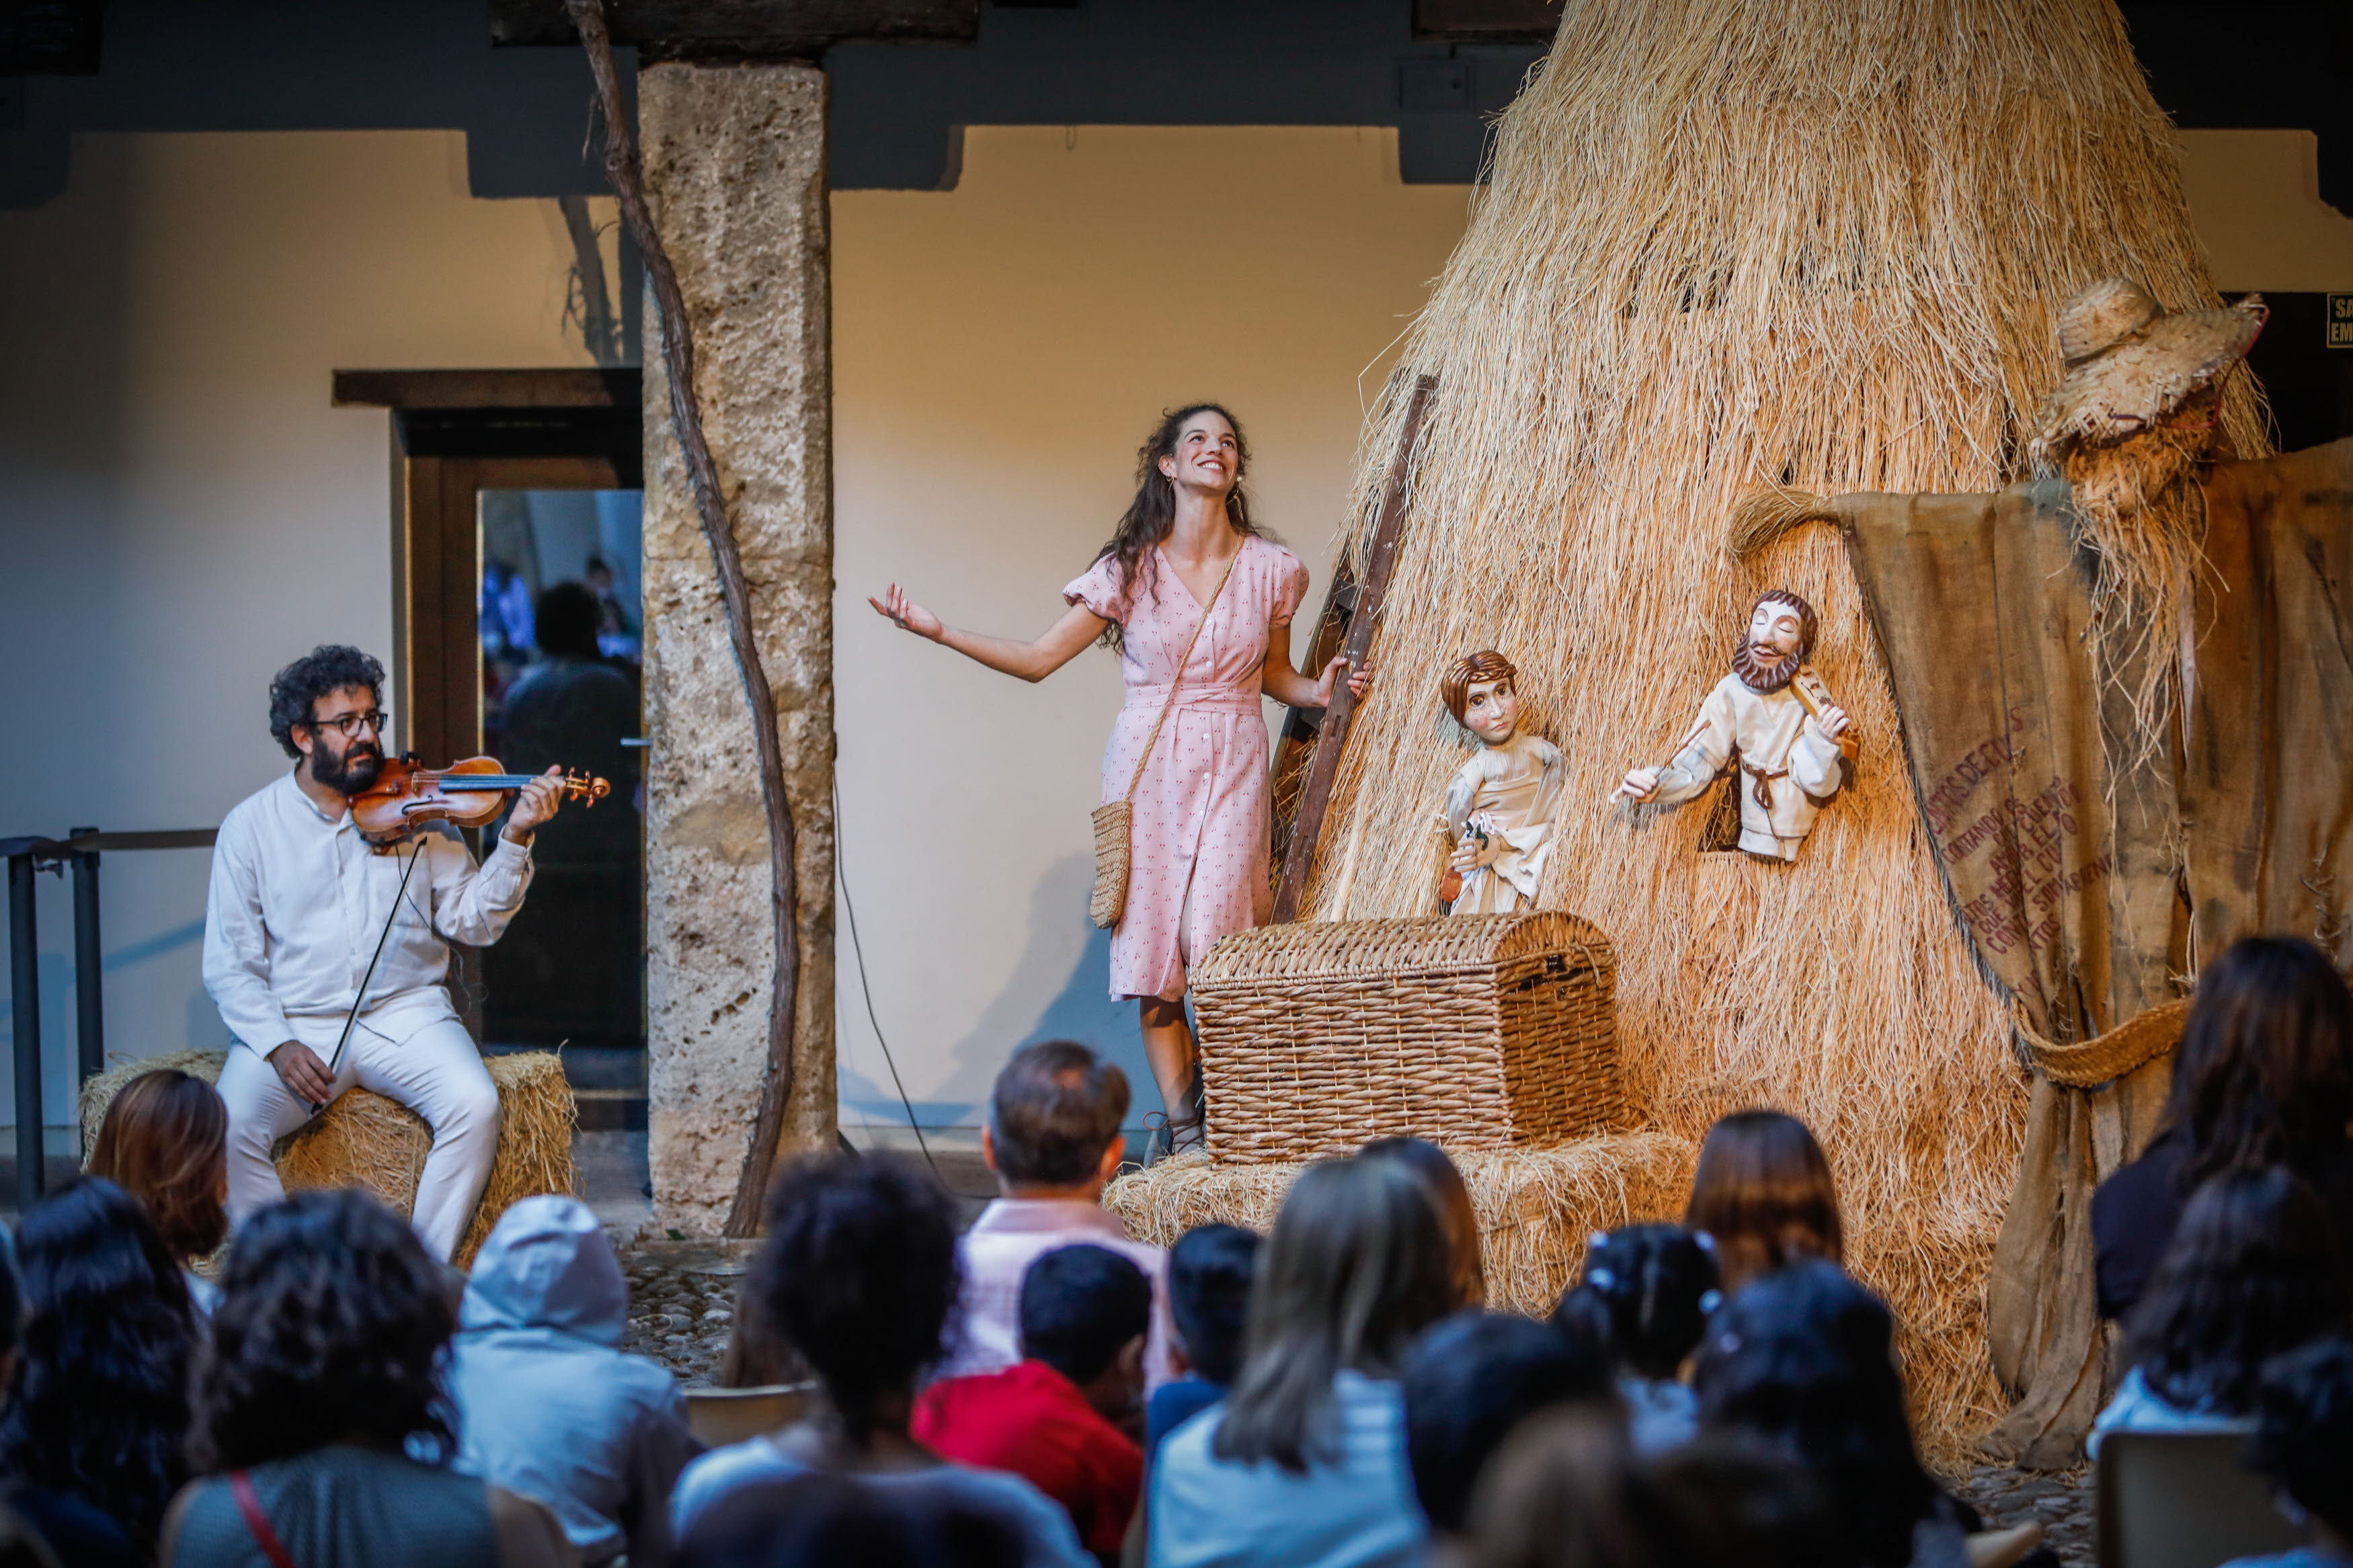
(1498, 811)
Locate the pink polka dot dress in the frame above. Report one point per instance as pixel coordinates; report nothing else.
(1197, 842)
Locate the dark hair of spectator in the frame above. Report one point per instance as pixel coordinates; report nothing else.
(563, 621)
(100, 1405)
(165, 1142)
(1469, 1381)
(2253, 1269)
(322, 672)
(1645, 1295)
(1080, 1307)
(1448, 1191)
(1804, 1360)
(820, 1520)
(1209, 1274)
(2303, 1429)
(858, 1273)
(1556, 1496)
(331, 1324)
(1764, 1196)
(1730, 1500)
(1056, 1108)
(1358, 1265)
(2265, 1074)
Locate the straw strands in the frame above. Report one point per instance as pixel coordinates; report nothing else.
(1535, 1206)
(1726, 247)
(364, 1140)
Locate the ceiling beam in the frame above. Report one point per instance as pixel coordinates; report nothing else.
(743, 29)
(1486, 21)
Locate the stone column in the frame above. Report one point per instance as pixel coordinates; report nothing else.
(735, 173)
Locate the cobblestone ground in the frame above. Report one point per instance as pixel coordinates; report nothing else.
(683, 1302)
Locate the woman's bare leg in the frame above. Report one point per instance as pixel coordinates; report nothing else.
(1168, 1047)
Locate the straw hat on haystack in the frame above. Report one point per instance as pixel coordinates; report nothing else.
(2130, 363)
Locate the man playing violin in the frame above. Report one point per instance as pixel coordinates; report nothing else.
(299, 905)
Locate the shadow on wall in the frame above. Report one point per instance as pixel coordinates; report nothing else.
(1080, 1009)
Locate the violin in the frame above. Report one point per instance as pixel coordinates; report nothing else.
(408, 796)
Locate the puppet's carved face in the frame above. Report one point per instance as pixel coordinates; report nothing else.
(1490, 711)
(1769, 656)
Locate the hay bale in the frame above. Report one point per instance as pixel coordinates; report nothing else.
(365, 1140)
(1535, 1206)
(1722, 248)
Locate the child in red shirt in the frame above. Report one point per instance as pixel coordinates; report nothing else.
(1064, 1417)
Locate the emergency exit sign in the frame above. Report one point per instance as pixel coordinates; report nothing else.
(2340, 320)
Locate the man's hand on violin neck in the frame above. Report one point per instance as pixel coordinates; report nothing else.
(534, 804)
(299, 1068)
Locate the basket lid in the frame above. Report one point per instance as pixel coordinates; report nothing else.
(1308, 950)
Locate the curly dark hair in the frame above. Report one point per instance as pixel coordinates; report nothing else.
(857, 1274)
(1152, 514)
(101, 1399)
(1646, 1295)
(1803, 1360)
(332, 1322)
(326, 669)
(2264, 1076)
(2254, 1268)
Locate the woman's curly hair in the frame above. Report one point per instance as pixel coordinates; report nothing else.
(101, 1406)
(859, 1274)
(332, 1323)
(327, 668)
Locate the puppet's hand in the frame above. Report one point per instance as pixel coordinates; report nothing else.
(905, 613)
(1640, 786)
(1831, 722)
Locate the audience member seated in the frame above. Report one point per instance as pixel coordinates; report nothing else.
(317, 1392)
(34, 1518)
(101, 1406)
(2263, 1076)
(1452, 1195)
(1566, 1493)
(1645, 1296)
(546, 1405)
(2254, 1269)
(1469, 1383)
(1804, 1360)
(1061, 1416)
(1053, 1139)
(1303, 1465)
(2304, 1446)
(821, 1521)
(165, 1142)
(1763, 1197)
(857, 1274)
(1209, 1274)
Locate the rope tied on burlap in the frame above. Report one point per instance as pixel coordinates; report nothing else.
(2103, 1058)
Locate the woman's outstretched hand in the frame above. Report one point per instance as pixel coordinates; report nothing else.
(1359, 682)
(905, 613)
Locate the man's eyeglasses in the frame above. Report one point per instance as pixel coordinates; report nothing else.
(345, 723)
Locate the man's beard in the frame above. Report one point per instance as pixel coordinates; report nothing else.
(354, 773)
(1761, 669)
(2138, 510)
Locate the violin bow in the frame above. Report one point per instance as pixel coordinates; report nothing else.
(359, 1000)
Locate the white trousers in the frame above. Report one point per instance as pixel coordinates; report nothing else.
(435, 1070)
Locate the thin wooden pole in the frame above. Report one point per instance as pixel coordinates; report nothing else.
(622, 167)
(1332, 736)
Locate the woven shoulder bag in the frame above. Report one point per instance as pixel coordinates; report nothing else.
(1112, 818)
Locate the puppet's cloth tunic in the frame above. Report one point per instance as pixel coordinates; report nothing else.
(1197, 838)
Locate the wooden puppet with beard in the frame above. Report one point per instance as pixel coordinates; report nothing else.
(2126, 689)
(1783, 739)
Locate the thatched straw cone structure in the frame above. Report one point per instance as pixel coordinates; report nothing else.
(1726, 245)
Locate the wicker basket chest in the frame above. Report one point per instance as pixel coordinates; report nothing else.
(1478, 1031)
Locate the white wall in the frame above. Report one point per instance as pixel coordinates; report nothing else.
(181, 512)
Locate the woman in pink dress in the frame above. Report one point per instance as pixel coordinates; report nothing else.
(1197, 842)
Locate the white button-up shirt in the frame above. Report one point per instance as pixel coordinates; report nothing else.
(299, 900)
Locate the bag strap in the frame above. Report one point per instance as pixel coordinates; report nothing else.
(1207, 611)
(249, 1503)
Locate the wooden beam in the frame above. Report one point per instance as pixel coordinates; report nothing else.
(50, 37)
(743, 29)
(1486, 21)
(1331, 735)
(555, 387)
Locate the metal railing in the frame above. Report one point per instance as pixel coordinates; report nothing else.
(27, 858)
